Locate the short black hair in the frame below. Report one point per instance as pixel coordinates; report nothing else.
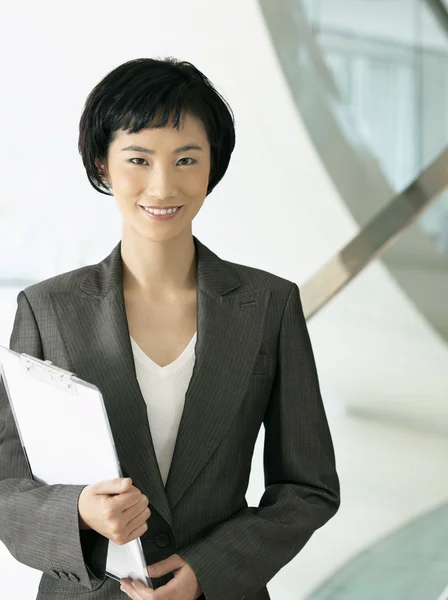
(129, 97)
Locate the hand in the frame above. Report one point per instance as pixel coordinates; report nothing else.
(115, 509)
(184, 586)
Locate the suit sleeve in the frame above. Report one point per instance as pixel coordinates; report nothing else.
(38, 523)
(242, 554)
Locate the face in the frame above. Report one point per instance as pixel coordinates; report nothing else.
(159, 169)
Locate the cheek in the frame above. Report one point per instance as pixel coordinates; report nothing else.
(195, 183)
(127, 182)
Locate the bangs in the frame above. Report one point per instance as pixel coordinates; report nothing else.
(157, 109)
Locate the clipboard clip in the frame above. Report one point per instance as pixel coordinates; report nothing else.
(45, 371)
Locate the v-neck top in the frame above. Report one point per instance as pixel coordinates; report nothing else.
(164, 389)
(167, 370)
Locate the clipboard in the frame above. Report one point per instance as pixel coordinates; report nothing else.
(40, 395)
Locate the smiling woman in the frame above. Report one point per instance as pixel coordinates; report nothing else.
(193, 355)
(168, 153)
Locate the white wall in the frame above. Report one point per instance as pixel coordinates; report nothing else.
(276, 208)
(48, 81)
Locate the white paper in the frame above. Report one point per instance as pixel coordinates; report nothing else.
(68, 440)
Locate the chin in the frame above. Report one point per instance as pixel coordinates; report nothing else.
(161, 236)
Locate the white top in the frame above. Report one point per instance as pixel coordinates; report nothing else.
(163, 389)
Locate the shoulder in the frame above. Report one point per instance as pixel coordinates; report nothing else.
(223, 275)
(253, 279)
(67, 282)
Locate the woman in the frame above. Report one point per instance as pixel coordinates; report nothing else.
(193, 354)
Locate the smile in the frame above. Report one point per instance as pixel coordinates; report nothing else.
(161, 211)
(161, 214)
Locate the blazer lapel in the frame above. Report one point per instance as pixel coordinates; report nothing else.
(229, 336)
(230, 322)
(95, 331)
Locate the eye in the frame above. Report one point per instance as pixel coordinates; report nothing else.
(131, 159)
(193, 161)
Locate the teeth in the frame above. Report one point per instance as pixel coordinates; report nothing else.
(163, 211)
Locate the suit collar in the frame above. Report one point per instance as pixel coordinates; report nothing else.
(215, 276)
(94, 328)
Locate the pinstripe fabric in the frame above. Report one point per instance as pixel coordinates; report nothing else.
(254, 367)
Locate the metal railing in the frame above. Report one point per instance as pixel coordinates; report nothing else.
(440, 12)
(376, 237)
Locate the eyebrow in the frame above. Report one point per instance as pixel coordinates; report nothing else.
(185, 148)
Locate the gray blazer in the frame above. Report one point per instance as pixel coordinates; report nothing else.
(254, 366)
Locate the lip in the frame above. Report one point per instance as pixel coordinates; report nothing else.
(159, 207)
(161, 217)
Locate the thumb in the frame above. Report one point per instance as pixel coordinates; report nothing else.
(112, 486)
(166, 566)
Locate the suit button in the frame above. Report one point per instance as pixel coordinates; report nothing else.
(162, 540)
(55, 574)
(73, 577)
(64, 575)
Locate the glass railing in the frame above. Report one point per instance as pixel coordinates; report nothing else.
(370, 82)
(389, 62)
(407, 560)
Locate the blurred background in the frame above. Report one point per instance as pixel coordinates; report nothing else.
(338, 182)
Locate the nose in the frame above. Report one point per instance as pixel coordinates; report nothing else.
(162, 185)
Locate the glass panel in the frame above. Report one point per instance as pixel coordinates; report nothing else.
(394, 79)
(434, 130)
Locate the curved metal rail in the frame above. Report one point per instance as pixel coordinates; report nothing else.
(376, 237)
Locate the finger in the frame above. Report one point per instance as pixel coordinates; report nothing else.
(125, 500)
(128, 586)
(137, 509)
(129, 591)
(138, 520)
(138, 532)
(167, 592)
(168, 565)
(143, 592)
(112, 486)
(121, 502)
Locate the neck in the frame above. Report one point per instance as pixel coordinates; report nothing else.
(158, 268)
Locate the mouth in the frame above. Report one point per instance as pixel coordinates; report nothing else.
(161, 213)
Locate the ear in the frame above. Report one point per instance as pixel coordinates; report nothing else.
(102, 171)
